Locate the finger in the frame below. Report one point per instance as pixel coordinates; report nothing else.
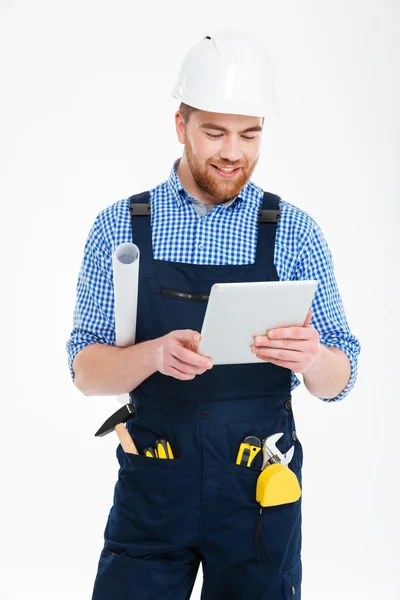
(294, 333)
(283, 355)
(308, 318)
(180, 375)
(192, 358)
(187, 335)
(193, 346)
(186, 367)
(286, 343)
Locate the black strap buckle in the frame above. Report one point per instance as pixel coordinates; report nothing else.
(268, 216)
(140, 209)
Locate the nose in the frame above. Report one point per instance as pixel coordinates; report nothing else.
(230, 150)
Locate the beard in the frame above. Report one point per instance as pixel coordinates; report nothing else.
(211, 183)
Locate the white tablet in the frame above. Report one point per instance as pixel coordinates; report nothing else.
(236, 312)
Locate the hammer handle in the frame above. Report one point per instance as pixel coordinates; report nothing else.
(127, 442)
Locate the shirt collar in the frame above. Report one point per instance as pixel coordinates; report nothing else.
(179, 193)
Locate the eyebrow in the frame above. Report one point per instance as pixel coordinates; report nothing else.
(219, 128)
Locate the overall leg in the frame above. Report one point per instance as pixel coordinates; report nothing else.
(238, 563)
(169, 577)
(151, 532)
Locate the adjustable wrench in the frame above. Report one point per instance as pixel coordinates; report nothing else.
(271, 454)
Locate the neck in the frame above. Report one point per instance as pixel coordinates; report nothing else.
(190, 185)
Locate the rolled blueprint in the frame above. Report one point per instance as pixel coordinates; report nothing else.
(125, 262)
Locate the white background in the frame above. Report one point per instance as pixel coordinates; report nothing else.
(86, 118)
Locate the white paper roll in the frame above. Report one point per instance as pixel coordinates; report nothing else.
(125, 262)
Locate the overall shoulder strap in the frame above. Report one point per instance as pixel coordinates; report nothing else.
(268, 217)
(269, 212)
(139, 206)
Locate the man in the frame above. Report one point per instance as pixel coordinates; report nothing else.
(170, 515)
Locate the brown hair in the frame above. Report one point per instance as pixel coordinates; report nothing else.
(185, 111)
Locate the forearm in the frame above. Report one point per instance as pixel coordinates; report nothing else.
(104, 370)
(330, 373)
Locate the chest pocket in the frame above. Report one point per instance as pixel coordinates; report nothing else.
(166, 305)
(181, 295)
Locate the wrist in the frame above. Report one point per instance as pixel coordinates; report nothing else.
(151, 356)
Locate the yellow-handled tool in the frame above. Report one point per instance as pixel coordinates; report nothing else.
(150, 452)
(163, 449)
(248, 450)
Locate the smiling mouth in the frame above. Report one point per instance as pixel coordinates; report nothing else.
(226, 172)
(225, 169)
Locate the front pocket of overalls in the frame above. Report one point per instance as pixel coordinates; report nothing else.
(243, 481)
(150, 504)
(292, 581)
(140, 460)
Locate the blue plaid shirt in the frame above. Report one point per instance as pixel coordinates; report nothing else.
(185, 230)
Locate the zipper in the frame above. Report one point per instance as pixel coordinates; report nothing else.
(185, 295)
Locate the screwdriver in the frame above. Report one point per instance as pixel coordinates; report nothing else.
(150, 452)
(164, 449)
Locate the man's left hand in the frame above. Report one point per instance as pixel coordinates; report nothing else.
(295, 348)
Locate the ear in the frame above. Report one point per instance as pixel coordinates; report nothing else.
(180, 128)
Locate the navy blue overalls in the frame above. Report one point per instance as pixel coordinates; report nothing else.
(170, 515)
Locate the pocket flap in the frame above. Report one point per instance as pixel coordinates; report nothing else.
(292, 581)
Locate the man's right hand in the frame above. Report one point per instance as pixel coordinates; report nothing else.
(176, 355)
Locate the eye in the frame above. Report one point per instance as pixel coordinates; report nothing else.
(216, 137)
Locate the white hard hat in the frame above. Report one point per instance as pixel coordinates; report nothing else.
(228, 73)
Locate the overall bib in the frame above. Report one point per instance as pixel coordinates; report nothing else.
(170, 515)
